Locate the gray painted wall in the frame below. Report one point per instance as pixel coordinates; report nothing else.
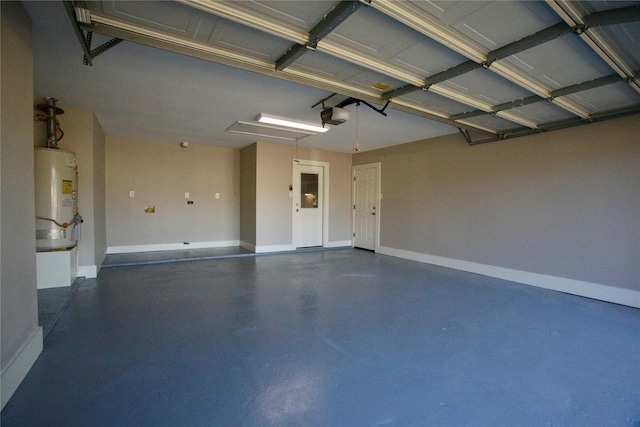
(161, 173)
(19, 301)
(564, 203)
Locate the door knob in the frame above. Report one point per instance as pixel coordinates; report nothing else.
(373, 213)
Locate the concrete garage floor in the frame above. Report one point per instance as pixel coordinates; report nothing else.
(329, 338)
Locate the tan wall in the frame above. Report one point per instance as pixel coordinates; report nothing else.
(78, 127)
(273, 205)
(248, 194)
(563, 203)
(275, 174)
(99, 193)
(267, 173)
(339, 190)
(160, 173)
(21, 336)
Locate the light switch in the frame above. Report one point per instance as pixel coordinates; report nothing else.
(132, 194)
(217, 195)
(186, 195)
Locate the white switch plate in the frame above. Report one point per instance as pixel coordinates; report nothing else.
(132, 194)
(217, 195)
(186, 195)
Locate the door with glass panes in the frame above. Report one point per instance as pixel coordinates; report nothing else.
(307, 205)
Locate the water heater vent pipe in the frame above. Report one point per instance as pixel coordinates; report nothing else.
(54, 133)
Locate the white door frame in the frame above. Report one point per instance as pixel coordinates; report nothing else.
(325, 204)
(378, 167)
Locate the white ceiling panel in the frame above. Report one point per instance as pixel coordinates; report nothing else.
(587, 7)
(562, 62)
(300, 14)
(626, 39)
(246, 40)
(543, 112)
(426, 58)
(343, 71)
(449, 12)
(375, 34)
(605, 98)
(159, 15)
(487, 87)
(434, 101)
(516, 19)
(193, 24)
(493, 122)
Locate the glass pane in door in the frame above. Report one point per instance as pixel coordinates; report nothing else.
(308, 190)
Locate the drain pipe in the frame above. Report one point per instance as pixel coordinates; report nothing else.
(54, 133)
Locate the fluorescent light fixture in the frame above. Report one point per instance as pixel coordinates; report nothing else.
(268, 131)
(281, 121)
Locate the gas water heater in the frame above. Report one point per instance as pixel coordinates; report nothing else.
(56, 204)
(56, 188)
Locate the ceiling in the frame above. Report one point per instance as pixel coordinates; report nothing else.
(490, 70)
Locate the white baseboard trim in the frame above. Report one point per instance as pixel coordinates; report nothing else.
(570, 286)
(88, 271)
(273, 248)
(171, 246)
(339, 244)
(287, 248)
(19, 365)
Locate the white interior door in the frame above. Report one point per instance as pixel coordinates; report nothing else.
(308, 200)
(365, 207)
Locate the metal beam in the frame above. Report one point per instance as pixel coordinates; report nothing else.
(621, 15)
(399, 91)
(442, 76)
(335, 17)
(591, 84)
(528, 42)
(452, 72)
(68, 5)
(290, 56)
(468, 115)
(518, 103)
(500, 107)
(562, 124)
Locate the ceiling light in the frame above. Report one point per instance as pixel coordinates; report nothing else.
(268, 131)
(280, 121)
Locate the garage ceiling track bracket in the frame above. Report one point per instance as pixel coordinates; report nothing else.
(85, 40)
